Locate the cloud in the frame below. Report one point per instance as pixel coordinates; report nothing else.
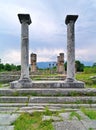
(47, 54)
(48, 36)
(11, 56)
(86, 54)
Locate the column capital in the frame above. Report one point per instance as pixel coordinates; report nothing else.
(70, 18)
(25, 18)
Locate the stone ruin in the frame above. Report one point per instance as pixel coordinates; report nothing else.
(33, 60)
(60, 63)
(25, 81)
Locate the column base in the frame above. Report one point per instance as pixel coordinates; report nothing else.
(21, 83)
(73, 83)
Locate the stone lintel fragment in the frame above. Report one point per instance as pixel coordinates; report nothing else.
(70, 18)
(25, 18)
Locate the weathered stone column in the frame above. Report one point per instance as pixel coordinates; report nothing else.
(70, 80)
(70, 22)
(25, 20)
(24, 81)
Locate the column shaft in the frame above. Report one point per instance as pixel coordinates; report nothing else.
(70, 51)
(24, 51)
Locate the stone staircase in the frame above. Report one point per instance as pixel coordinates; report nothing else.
(37, 98)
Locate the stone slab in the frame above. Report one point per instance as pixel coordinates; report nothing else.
(12, 104)
(6, 127)
(11, 99)
(8, 109)
(54, 118)
(48, 84)
(49, 91)
(69, 125)
(89, 123)
(78, 100)
(8, 119)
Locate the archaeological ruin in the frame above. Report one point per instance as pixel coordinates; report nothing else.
(60, 63)
(25, 81)
(33, 60)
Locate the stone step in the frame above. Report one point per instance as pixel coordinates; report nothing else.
(48, 92)
(15, 99)
(42, 99)
(78, 100)
(42, 106)
(13, 104)
(48, 84)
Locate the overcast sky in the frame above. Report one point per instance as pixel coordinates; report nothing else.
(48, 30)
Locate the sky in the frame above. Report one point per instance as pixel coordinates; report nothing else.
(48, 31)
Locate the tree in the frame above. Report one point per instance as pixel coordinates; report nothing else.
(65, 65)
(13, 67)
(18, 67)
(94, 64)
(7, 67)
(1, 67)
(79, 66)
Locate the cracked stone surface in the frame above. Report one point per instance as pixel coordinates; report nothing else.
(84, 124)
(6, 121)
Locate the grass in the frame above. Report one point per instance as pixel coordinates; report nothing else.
(90, 129)
(32, 122)
(0, 85)
(90, 113)
(75, 114)
(86, 78)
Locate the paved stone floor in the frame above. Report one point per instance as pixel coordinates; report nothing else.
(62, 122)
(74, 124)
(6, 120)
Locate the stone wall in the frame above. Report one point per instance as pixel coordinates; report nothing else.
(9, 76)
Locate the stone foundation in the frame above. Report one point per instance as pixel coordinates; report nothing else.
(47, 84)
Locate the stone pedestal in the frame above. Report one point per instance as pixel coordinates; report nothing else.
(70, 22)
(24, 80)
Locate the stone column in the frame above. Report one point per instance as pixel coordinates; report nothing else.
(24, 81)
(70, 22)
(25, 20)
(70, 81)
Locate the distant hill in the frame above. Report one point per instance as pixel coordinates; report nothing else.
(44, 65)
(87, 63)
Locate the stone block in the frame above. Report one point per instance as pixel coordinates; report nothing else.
(11, 99)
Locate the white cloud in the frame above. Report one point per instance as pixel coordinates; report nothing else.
(11, 56)
(48, 28)
(88, 54)
(46, 54)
